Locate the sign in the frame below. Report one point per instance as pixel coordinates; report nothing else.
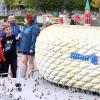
(92, 57)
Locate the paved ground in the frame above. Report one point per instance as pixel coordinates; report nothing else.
(37, 88)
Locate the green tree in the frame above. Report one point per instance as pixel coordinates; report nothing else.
(49, 5)
(30, 5)
(10, 4)
(96, 4)
(74, 4)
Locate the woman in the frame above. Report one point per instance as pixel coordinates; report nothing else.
(27, 46)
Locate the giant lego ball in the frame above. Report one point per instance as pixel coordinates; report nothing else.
(70, 55)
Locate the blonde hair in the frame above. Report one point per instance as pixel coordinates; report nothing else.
(6, 25)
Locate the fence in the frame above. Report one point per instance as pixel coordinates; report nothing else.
(16, 13)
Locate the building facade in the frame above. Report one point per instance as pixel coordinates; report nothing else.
(3, 8)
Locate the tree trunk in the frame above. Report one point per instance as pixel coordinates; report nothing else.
(8, 9)
(99, 13)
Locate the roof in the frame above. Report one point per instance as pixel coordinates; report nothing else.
(87, 6)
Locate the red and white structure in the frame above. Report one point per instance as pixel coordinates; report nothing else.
(87, 15)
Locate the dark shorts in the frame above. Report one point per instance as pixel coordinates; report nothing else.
(30, 54)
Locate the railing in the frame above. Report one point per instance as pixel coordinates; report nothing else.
(16, 13)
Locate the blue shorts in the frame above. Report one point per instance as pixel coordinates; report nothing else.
(26, 53)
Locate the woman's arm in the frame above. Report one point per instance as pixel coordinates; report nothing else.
(18, 36)
(35, 33)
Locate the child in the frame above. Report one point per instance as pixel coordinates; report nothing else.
(9, 49)
(1, 28)
(2, 58)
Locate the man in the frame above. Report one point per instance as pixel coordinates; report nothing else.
(15, 28)
(12, 21)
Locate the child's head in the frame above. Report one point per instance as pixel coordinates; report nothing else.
(7, 29)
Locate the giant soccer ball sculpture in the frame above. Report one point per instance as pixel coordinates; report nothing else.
(70, 55)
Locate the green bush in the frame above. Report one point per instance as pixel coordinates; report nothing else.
(20, 20)
(3, 17)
